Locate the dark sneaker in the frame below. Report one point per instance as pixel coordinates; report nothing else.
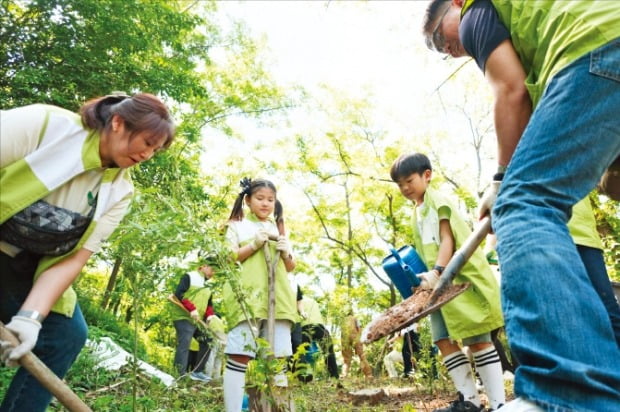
(461, 405)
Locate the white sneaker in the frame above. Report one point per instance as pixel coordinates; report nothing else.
(520, 405)
(199, 376)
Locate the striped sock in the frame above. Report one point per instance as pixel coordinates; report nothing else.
(489, 367)
(234, 383)
(460, 371)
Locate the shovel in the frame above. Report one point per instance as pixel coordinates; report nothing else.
(46, 377)
(410, 310)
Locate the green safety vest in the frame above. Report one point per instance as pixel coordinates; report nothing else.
(477, 310)
(22, 184)
(198, 295)
(550, 34)
(254, 284)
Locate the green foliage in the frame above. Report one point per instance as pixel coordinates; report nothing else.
(102, 323)
(607, 213)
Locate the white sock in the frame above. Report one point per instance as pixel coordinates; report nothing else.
(234, 384)
(280, 378)
(489, 367)
(460, 371)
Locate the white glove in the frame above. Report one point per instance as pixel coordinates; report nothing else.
(282, 246)
(27, 331)
(488, 199)
(428, 279)
(259, 239)
(194, 314)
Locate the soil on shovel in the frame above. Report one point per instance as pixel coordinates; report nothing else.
(409, 311)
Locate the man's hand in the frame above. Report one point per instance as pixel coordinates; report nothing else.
(283, 246)
(259, 239)
(27, 331)
(428, 279)
(488, 199)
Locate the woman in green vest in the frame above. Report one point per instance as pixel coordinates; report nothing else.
(554, 68)
(64, 188)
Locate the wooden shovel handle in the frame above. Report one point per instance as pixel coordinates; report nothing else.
(172, 298)
(45, 376)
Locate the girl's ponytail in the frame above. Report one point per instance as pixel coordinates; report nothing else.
(278, 212)
(246, 189)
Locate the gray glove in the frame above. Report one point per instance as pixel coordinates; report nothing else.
(488, 199)
(27, 331)
(283, 246)
(259, 239)
(428, 279)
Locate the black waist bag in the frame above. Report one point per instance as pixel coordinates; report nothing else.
(45, 229)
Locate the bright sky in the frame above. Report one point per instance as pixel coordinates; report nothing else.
(359, 47)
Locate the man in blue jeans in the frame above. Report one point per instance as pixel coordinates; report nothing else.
(554, 68)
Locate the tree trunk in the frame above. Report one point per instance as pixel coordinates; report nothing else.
(111, 283)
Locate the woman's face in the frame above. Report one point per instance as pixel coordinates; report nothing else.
(118, 148)
(262, 202)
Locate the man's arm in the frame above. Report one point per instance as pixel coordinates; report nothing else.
(513, 106)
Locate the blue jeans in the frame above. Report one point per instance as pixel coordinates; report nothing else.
(60, 339)
(557, 325)
(595, 267)
(186, 330)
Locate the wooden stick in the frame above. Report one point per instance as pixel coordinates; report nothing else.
(172, 298)
(45, 376)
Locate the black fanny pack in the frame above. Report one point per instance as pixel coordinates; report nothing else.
(46, 229)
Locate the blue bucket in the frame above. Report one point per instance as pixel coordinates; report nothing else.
(401, 267)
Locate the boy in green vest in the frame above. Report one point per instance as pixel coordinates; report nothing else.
(554, 68)
(195, 296)
(438, 231)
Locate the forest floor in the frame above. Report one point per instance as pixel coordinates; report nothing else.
(125, 390)
(119, 392)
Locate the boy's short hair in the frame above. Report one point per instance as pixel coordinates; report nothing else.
(408, 164)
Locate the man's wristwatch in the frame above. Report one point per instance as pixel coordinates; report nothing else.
(31, 314)
(439, 269)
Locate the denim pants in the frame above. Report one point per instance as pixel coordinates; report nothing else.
(557, 325)
(595, 267)
(186, 330)
(60, 339)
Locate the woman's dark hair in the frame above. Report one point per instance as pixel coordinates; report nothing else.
(408, 164)
(142, 112)
(248, 188)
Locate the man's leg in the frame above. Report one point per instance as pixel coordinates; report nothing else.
(594, 262)
(185, 330)
(557, 325)
(204, 345)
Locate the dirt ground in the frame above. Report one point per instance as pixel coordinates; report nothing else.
(378, 394)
